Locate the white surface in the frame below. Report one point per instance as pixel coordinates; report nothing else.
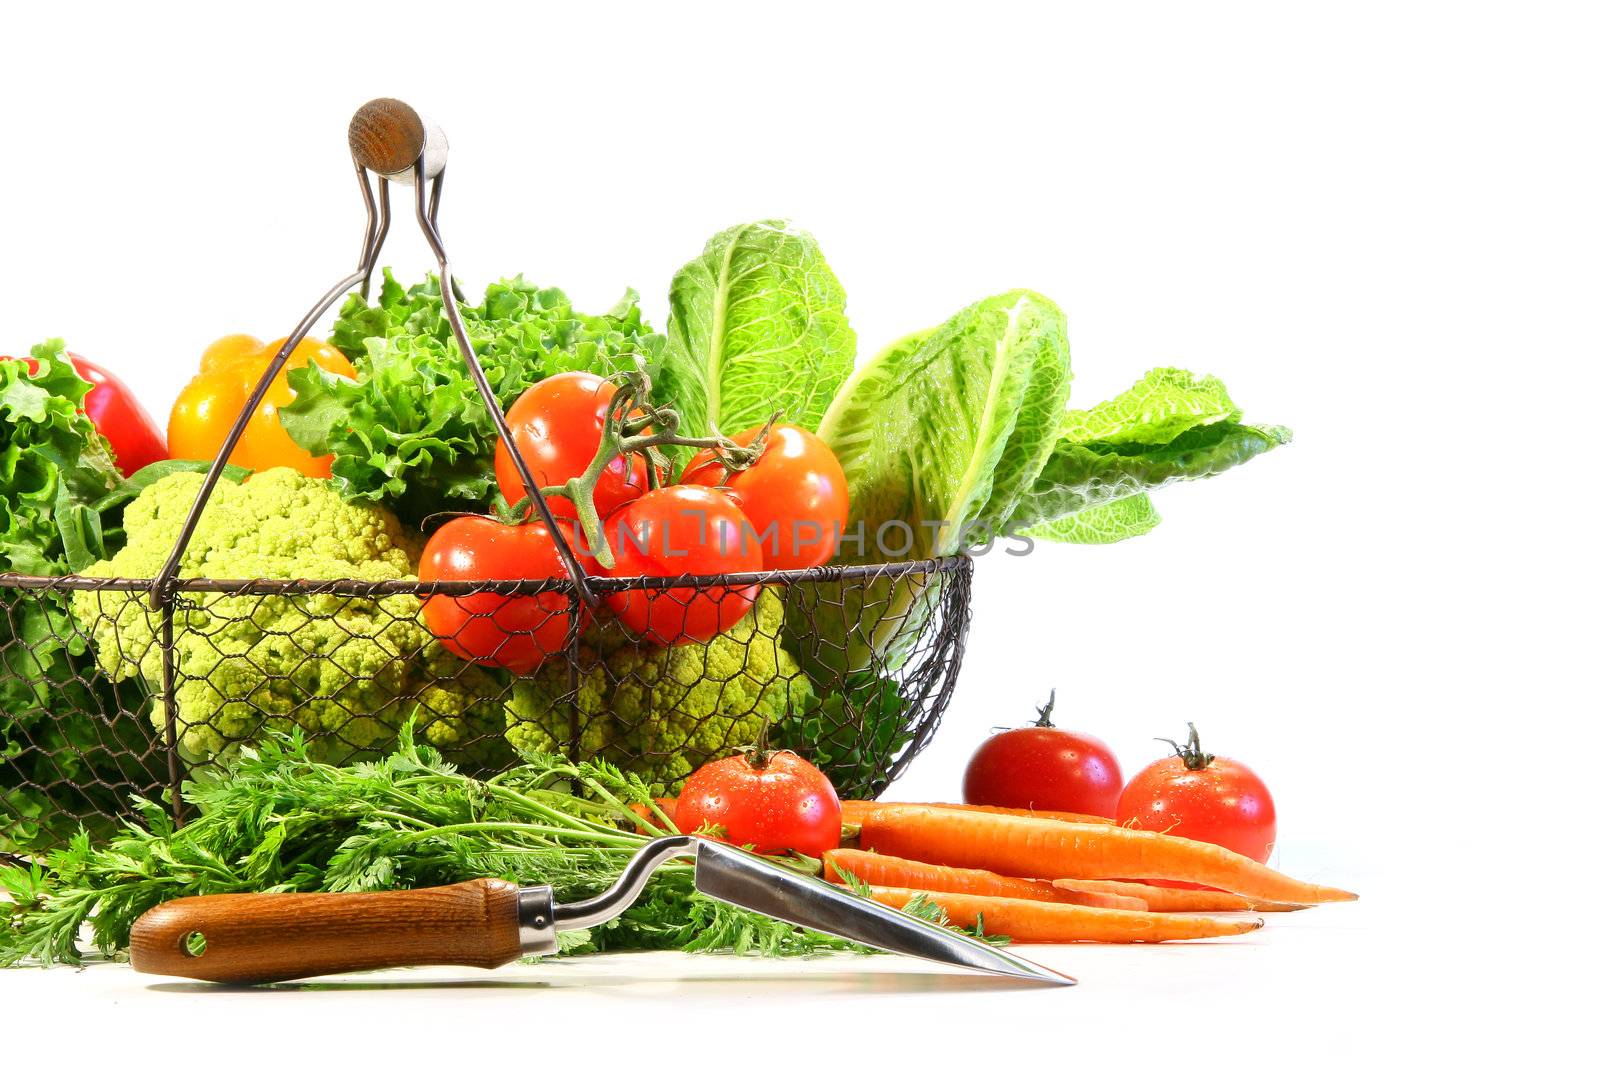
(1376, 222)
(1314, 987)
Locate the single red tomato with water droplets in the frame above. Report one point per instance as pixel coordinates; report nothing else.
(557, 425)
(772, 802)
(794, 495)
(1045, 768)
(681, 530)
(1202, 797)
(515, 632)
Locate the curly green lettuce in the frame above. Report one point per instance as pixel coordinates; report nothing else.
(348, 670)
(411, 432)
(57, 476)
(662, 712)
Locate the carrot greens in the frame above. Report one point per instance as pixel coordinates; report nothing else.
(279, 821)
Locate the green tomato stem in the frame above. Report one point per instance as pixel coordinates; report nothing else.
(1044, 712)
(622, 435)
(1194, 757)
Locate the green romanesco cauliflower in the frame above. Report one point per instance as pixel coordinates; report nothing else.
(347, 670)
(662, 712)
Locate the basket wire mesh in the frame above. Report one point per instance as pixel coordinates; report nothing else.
(851, 666)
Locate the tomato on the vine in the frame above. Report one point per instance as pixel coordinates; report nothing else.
(1203, 797)
(1045, 768)
(794, 494)
(772, 802)
(514, 632)
(557, 426)
(681, 530)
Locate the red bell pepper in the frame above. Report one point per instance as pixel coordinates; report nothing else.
(136, 440)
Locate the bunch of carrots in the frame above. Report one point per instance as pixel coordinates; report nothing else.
(1045, 876)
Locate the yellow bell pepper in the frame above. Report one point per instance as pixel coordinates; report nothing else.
(209, 404)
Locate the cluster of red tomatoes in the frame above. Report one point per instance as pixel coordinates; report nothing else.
(784, 511)
(1189, 794)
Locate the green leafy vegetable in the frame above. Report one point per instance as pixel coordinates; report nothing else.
(54, 465)
(60, 509)
(1170, 426)
(940, 435)
(757, 325)
(1102, 524)
(280, 821)
(411, 431)
(1158, 407)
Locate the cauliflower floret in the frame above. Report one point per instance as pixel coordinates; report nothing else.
(662, 712)
(347, 670)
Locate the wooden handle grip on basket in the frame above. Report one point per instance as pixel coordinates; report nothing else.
(271, 937)
(389, 138)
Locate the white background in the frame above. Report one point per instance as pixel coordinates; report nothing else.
(1377, 223)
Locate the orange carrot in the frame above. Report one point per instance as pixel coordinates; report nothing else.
(878, 870)
(668, 806)
(1040, 848)
(1093, 898)
(857, 810)
(1170, 898)
(1161, 898)
(1040, 921)
(1275, 905)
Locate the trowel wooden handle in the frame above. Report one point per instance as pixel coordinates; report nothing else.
(270, 937)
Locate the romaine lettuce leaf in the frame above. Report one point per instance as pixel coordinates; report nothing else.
(940, 436)
(1102, 524)
(1170, 426)
(757, 325)
(1164, 403)
(945, 432)
(1083, 476)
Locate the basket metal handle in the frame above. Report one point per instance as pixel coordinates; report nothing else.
(389, 139)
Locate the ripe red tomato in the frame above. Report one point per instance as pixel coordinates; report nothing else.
(557, 425)
(771, 802)
(1045, 768)
(677, 530)
(1205, 798)
(514, 632)
(794, 495)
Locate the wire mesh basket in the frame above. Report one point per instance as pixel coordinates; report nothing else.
(154, 679)
(658, 710)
